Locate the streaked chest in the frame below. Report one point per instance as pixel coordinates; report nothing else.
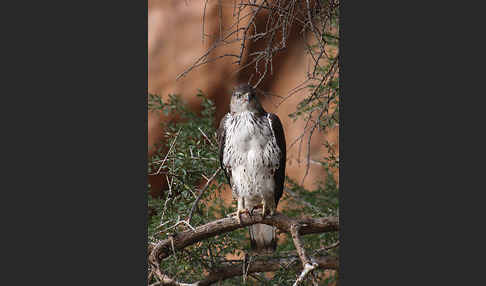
(249, 140)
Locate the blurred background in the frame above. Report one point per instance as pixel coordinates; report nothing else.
(176, 41)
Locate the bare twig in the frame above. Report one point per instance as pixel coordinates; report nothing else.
(282, 16)
(306, 263)
(201, 192)
(336, 244)
(301, 200)
(179, 221)
(205, 136)
(168, 152)
(294, 230)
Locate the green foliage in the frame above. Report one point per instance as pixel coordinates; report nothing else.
(190, 156)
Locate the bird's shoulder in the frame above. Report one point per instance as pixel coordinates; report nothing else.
(222, 125)
(274, 121)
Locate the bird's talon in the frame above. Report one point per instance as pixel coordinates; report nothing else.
(253, 209)
(239, 212)
(231, 214)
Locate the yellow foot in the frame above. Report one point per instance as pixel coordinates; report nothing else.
(266, 210)
(238, 214)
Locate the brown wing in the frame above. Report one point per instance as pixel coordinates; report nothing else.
(279, 175)
(221, 140)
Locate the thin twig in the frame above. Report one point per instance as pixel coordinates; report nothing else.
(201, 192)
(299, 199)
(207, 138)
(168, 152)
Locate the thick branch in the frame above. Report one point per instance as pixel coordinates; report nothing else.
(261, 264)
(183, 239)
(266, 264)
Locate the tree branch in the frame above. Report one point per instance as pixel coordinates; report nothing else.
(267, 264)
(260, 264)
(183, 239)
(308, 266)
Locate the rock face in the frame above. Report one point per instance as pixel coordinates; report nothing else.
(175, 42)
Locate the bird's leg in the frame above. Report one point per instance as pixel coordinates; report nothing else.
(270, 208)
(239, 212)
(272, 212)
(240, 209)
(264, 208)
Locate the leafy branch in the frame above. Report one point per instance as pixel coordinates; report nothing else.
(297, 227)
(190, 237)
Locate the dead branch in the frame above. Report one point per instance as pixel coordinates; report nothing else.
(257, 47)
(267, 264)
(307, 264)
(168, 152)
(166, 280)
(294, 230)
(295, 226)
(280, 17)
(183, 239)
(235, 268)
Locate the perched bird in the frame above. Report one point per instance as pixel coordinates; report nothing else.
(252, 154)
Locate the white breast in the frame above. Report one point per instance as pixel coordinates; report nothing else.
(252, 154)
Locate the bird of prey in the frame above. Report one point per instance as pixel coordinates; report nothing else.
(252, 155)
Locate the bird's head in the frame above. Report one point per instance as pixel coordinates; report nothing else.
(244, 99)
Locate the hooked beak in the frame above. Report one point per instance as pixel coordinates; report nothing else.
(246, 97)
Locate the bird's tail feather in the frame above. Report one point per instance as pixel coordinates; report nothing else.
(262, 238)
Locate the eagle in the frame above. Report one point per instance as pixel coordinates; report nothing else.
(252, 154)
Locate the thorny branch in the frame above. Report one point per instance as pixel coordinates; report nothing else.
(168, 152)
(295, 226)
(262, 29)
(194, 206)
(259, 264)
(201, 192)
(279, 17)
(282, 222)
(270, 23)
